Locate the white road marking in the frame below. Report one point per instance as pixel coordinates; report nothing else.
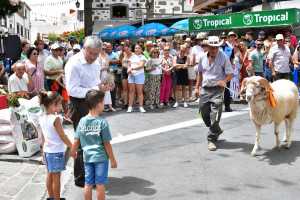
(134, 136)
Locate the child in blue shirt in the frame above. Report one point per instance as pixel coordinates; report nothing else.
(94, 136)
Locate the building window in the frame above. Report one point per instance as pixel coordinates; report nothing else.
(18, 28)
(119, 11)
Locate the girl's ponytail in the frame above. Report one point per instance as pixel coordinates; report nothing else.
(48, 97)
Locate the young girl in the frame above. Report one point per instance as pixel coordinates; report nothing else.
(109, 80)
(54, 141)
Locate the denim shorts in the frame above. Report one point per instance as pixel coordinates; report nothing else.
(55, 162)
(136, 79)
(96, 173)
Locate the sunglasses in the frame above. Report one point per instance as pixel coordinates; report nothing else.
(35, 54)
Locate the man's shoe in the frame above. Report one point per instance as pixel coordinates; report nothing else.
(211, 146)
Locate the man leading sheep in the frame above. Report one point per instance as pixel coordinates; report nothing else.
(214, 71)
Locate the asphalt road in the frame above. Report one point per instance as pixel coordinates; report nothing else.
(177, 165)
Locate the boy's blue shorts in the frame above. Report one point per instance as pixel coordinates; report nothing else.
(96, 173)
(55, 162)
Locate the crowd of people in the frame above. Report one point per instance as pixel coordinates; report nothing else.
(156, 73)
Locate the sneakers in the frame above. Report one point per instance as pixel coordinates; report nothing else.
(142, 110)
(211, 146)
(151, 107)
(185, 105)
(129, 110)
(175, 105)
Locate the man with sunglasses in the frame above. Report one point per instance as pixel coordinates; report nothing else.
(256, 59)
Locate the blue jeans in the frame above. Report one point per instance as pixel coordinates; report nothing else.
(55, 162)
(136, 79)
(96, 173)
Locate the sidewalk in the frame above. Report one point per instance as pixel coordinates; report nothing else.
(25, 178)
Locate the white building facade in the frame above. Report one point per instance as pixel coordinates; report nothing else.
(19, 23)
(114, 12)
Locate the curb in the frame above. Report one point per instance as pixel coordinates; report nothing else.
(37, 159)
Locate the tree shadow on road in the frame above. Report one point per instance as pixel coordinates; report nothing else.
(272, 156)
(128, 184)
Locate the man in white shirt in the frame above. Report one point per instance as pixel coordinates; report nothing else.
(82, 74)
(19, 81)
(279, 59)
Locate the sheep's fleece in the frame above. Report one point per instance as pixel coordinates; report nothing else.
(286, 96)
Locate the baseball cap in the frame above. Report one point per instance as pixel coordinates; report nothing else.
(76, 47)
(279, 37)
(55, 46)
(232, 33)
(149, 43)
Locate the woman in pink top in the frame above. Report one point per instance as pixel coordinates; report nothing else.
(34, 70)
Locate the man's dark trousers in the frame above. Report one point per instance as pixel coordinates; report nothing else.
(78, 109)
(210, 107)
(227, 98)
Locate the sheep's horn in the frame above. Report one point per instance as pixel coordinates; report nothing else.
(265, 83)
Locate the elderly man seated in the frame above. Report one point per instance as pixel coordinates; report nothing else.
(19, 81)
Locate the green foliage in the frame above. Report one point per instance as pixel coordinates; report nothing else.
(78, 35)
(52, 37)
(7, 9)
(13, 100)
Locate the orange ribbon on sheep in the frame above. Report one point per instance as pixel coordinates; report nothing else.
(270, 96)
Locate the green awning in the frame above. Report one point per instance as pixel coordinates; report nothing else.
(270, 18)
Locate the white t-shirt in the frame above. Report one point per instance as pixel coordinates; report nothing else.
(280, 58)
(198, 52)
(156, 64)
(53, 143)
(135, 60)
(15, 84)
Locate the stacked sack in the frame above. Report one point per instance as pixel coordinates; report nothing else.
(7, 141)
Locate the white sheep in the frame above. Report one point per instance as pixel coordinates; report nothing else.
(275, 102)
